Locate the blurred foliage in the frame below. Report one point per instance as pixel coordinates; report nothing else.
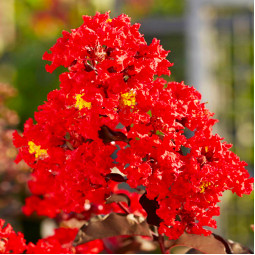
(153, 8)
(38, 24)
(168, 8)
(136, 9)
(13, 177)
(237, 217)
(234, 40)
(175, 42)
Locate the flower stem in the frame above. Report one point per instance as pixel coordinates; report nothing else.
(123, 208)
(161, 243)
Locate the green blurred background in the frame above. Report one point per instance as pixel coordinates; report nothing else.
(211, 45)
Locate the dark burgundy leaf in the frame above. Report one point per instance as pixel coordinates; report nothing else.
(129, 247)
(111, 70)
(113, 224)
(204, 244)
(237, 248)
(150, 206)
(120, 197)
(233, 247)
(193, 251)
(116, 177)
(136, 244)
(225, 243)
(88, 68)
(73, 63)
(108, 135)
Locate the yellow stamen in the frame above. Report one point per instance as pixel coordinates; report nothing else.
(206, 149)
(128, 98)
(204, 186)
(36, 149)
(80, 103)
(109, 20)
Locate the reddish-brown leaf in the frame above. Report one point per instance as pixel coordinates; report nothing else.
(108, 135)
(150, 206)
(204, 244)
(116, 198)
(116, 177)
(113, 224)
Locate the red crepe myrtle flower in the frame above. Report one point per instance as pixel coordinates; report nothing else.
(165, 141)
(61, 242)
(11, 242)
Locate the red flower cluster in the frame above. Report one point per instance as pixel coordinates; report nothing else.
(10, 242)
(60, 242)
(165, 139)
